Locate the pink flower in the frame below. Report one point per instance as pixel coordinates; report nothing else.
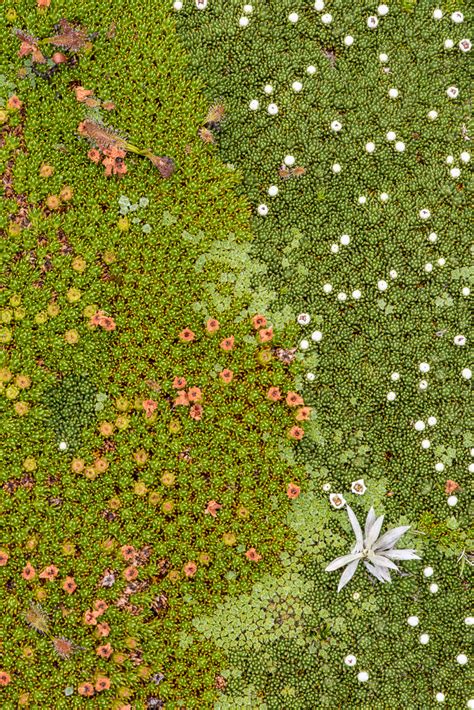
(190, 569)
(29, 572)
(253, 555)
(227, 343)
(179, 383)
(49, 573)
(293, 399)
(259, 322)
(196, 412)
(274, 394)
(293, 490)
(265, 335)
(14, 102)
(212, 325)
(212, 508)
(149, 405)
(186, 335)
(182, 399)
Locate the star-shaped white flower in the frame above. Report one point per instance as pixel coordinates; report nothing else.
(376, 552)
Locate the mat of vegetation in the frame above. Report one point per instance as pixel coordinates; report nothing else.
(352, 125)
(148, 407)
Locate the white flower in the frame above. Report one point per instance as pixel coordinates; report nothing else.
(268, 89)
(311, 69)
(178, 5)
(370, 147)
(349, 40)
(465, 157)
(432, 421)
(382, 10)
(424, 638)
(465, 45)
(297, 86)
(440, 697)
(466, 291)
(419, 425)
(356, 294)
(363, 676)
(391, 136)
(391, 396)
(337, 500)
(272, 109)
(334, 248)
(466, 373)
(452, 501)
(376, 552)
(384, 196)
(434, 588)
(254, 104)
(395, 376)
(319, 5)
(350, 660)
(327, 288)
(448, 44)
(393, 93)
(310, 376)
(441, 261)
(432, 115)
(316, 336)
(201, 4)
(362, 200)
(469, 620)
(424, 214)
(383, 58)
(450, 159)
(342, 296)
(293, 17)
(345, 239)
(358, 487)
(437, 14)
(326, 487)
(393, 274)
(243, 22)
(336, 126)
(304, 318)
(461, 659)
(382, 285)
(457, 17)
(459, 339)
(455, 172)
(372, 22)
(62, 445)
(452, 92)
(273, 190)
(248, 9)
(413, 621)
(336, 168)
(289, 160)
(304, 345)
(423, 385)
(262, 210)
(400, 146)
(428, 572)
(326, 19)
(428, 267)
(433, 237)
(439, 466)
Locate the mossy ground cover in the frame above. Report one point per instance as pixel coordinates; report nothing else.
(147, 457)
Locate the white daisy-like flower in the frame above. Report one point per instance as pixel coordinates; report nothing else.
(62, 445)
(319, 5)
(400, 146)
(382, 285)
(439, 697)
(452, 501)
(358, 487)
(423, 385)
(243, 21)
(457, 17)
(393, 274)
(311, 69)
(273, 190)
(424, 367)
(303, 318)
(310, 376)
(356, 294)
(393, 93)
(465, 45)
(424, 639)
(439, 466)
(424, 214)
(326, 19)
(336, 168)
(304, 345)
(337, 500)
(441, 261)
(363, 677)
(293, 17)
(262, 210)
(372, 22)
(377, 553)
(334, 248)
(383, 58)
(437, 14)
(466, 291)
(413, 621)
(452, 92)
(448, 44)
(201, 4)
(254, 104)
(428, 267)
(466, 373)
(327, 288)
(178, 5)
(272, 109)
(326, 487)
(432, 237)
(395, 376)
(370, 147)
(348, 40)
(391, 135)
(350, 660)
(432, 115)
(432, 421)
(289, 160)
(317, 336)
(345, 239)
(248, 9)
(341, 296)
(268, 88)
(391, 396)
(336, 126)
(462, 659)
(459, 340)
(420, 425)
(384, 196)
(362, 200)
(382, 10)
(428, 572)
(297, 86)
(465, 157)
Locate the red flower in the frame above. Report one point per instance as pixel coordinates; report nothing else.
(212, 325)
(212, 508)
(49, 573)
(69, 585)
(451, 486)
(296, 432)
(293, 490)
(274, 394)
(190, 569)
(29, 572)
(104, 651)
(227, 343)
(226, 375)
(302, 415)
(128, 552)
(103, 629)
(5, 678)
(196, 412)
(253, 555)
(102, 683)
(179, 383)
(182, 399)
(293, 399)
(149, 405)
(90, 618)
(194, 394)
(86, 689)
(259, 322)
(265, 335)
(3, 558)
(186, 335)
(100, 607)
(95, 156)
(130, 573)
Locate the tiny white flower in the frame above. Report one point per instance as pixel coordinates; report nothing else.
(297, 86)
(440, 697)
(413, 621)
(428, 572)
(391, 136)
(310, 376)
(356, 596)
(457, 17)
(304, 345)
(303, 318)
(441, 261)
(400, 146)
(350, 660)
(336, 126)
(254, 104)
(243, 21)
(452, 501)
(432, 115)
(345, 239)
(358, 487)
(262, 210)
(311, 69)
(289, 160)
(178, 5)
(382, 285)
(469, 620)
(423, 385)
(383, 58)
(393, 274)
(372, 22)
(326, 19)
(433, 237)
(465, 157)
(425, 444)
(336, 168)
(370, 147)
(470, 704)
(466, 291)
(349, 40)
(201, 4)
(334, 248)
(362, 200)
(327, 288)
(326, 487)
(384, 196)
(419, 425)
(395, 376)
(391, 396)
(448, 44)
(461, 659)
(293, 17)
(428, 267)
(439, 466)
(424, 638)
(437, 14)
(470, 468)
(450, 159)
(317, 336)
(319, 5)
(424, 214)
(434, 588)
(62, 445)
(341, 296)
(455, 172)
(466, 373)
(452, 92)
(273, 190)
(356, 294)
(248, 9)
(382, 10)
(393, 93)
(363, 677)
(459, 339)
(465, 45)
(337, 500)
(268, 88)
(272, 109)
(432, 421)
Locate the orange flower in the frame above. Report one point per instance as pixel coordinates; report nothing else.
(130, 573)
(94, 155)
(100, 607)
(259, 322)
(128, 552)
(82, 93)
(14, 102)
(293, 399)
(194, 394)
(90, 618)
(265, 335)
(102, 683)
(186, 335)
(96, 318)
(5, 678)
(29, 572)
(302, 415)
(226, 375)
(196, 412)
(43, 3)
(296, 432)
(107, 323)
(182, 399)
(190, 569)
(149, 405)
(274, 394)
(86, 689)
(108, 105)
(451, 486)
(212, 508)
(179, 383)
(293, 490)
(69, 585)
(104, 651)
(103, 629)
(227, 343)
(212, 325)
(3, 558)
(253, 555)
(49, 573)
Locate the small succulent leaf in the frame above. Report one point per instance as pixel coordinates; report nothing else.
(356, 528)
(347, 575)
(389, 539)
(374, 532)
(341, 561)
(402, 555)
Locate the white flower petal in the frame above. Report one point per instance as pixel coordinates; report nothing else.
(347, 575)
(356, 528)
(374, 532)
(382, 562)
(375, 571)
(369, 521)
(389, 539)
(402, 555)
(341, 561)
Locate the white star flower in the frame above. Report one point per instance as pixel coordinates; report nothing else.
(376, 552)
